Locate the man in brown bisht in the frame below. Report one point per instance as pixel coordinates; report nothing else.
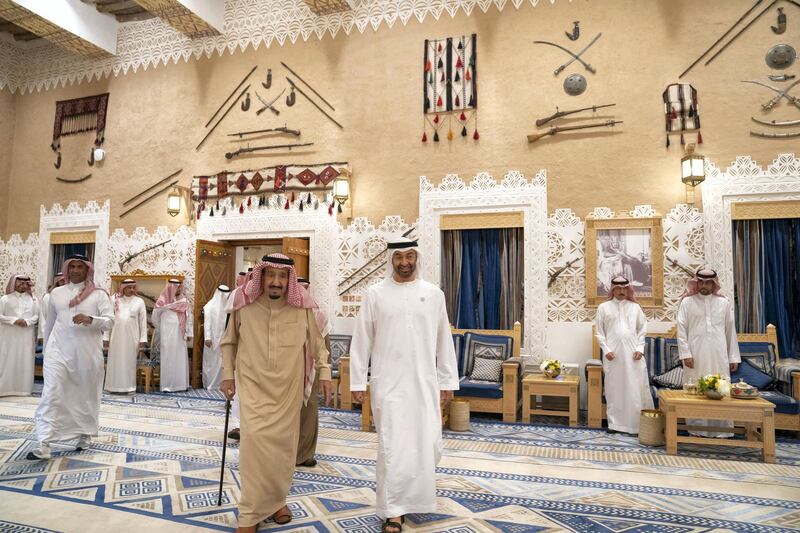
(264, 347)
(309, 416)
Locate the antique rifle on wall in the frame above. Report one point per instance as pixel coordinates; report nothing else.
(559, 114)
(284, 129)
(678, 265)
(558, 129)
(558, 272)
(231, 155)
(767, 135)
(133, 256)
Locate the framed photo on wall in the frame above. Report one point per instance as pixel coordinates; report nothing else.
(630, 247)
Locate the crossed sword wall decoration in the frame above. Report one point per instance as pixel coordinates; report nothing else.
(575, 57)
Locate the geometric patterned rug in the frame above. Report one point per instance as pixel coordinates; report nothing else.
(155, 467)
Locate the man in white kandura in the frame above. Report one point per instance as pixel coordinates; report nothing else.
(78, 314)
(620, 327)
(128, 337)
(19, 313)
(707, 337)
(402, 337)
(58, 281)
(172, 319)
(214, 321)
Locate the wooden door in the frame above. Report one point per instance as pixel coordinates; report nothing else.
(298, 250)
(214, 265)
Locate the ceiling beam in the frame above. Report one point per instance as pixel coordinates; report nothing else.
(79, 19)
(193, 18)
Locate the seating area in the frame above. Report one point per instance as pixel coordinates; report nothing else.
(778, 381)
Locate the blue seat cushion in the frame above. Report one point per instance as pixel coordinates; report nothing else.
(479, 389)
(783, 404)
(458, 345)
(752, 375)
(486, 346)
(668, 357)
(38, 359)
(761, 354)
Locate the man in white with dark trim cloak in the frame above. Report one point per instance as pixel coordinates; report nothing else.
(127, 338)
(78, 315)
(19, 313)
(403, 340)
(620, 327)
(707, 341)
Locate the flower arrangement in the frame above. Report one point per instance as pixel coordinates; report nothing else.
(550, 367)
(713, 385)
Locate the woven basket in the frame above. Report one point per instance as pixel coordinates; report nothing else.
(651, 427)
(459, 414)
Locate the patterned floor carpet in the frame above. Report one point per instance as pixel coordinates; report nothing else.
(155, 467)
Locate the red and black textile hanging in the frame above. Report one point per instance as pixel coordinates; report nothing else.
(449, 81)
(79, 115)
(681, 114)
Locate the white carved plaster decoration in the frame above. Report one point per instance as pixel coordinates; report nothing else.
(248, 23)
(743, 181)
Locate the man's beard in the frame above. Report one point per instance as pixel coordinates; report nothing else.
(407, 274)
(705, 292)
(275, 297)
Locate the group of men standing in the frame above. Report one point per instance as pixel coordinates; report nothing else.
(271, 338)
(706, 345)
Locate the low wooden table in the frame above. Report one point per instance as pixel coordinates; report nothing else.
(754, 413)
(538, 385)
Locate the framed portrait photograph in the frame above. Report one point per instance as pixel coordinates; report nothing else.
(629, 247)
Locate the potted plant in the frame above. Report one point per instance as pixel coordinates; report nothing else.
(551, 368)
(714, 386)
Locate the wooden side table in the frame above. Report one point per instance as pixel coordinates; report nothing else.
(534, 385)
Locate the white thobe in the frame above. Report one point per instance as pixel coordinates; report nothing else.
(620, 327)
(403, 337)
(214, 316)
(707, 334)
(173, 349)
(17, 344)
(43, 315)
(73, 365)
(130, 329)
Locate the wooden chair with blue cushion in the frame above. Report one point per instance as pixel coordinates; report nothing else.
(339, 347)
(489, 370)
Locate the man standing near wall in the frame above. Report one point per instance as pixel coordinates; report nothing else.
(620, 328)
(172, 319)
(127, 338)
(19, 313)
(707, 337)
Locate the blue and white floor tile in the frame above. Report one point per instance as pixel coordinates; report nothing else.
(155, 467)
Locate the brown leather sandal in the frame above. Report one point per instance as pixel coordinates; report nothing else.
(282, 516)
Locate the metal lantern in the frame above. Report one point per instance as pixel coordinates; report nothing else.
(341, 189)
(693, 169)
(174, 202)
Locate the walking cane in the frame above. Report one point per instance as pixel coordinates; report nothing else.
(224, 449)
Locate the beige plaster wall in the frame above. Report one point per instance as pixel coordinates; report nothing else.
(156, 117)
(7, 116)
